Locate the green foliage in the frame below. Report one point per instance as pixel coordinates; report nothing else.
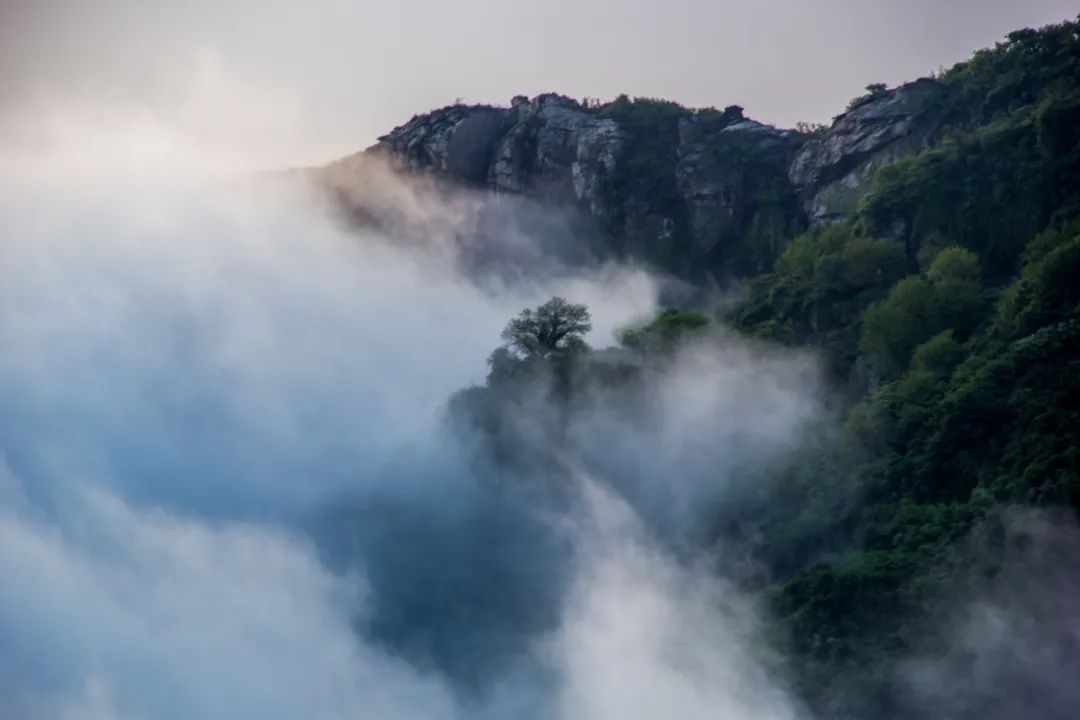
(822, 282)
(1010, 160)
(873, 90)
(798, 259)
(955, 264)
(832, 255)
(938, 355)
(948, 307)
(892, 328)
(989, 191)
(973, 366)
(966, 429)
(665, 332)
(958, 297)
(647, 169)
(810, 130)
(916, 309)
(869, 262)
(1043, 243)
(1047, 291)
(1015, 73)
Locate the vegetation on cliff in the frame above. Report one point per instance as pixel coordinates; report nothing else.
(947, 308)
(948, 305)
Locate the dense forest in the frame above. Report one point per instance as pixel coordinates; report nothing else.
(945, 308)
(948, 302)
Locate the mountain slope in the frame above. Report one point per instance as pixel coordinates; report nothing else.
(928, 244)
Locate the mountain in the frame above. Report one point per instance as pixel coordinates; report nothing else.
(927, 244)
(691, 191)
(711, 192)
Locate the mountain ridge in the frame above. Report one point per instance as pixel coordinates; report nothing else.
(727, 190)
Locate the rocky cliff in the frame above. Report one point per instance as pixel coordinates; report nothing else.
(833, 171)
(692, 191)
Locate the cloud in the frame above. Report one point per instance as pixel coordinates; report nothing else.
(720, 405)
(644, 636)
(117, 613)
(227, 345)
(1006, 643)
(229, 489)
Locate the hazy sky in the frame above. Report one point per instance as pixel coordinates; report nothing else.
(335, 74)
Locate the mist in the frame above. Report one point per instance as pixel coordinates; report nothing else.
(262, 456)
(1006, 642)
(233, 484)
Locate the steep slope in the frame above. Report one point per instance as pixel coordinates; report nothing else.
(928, 243)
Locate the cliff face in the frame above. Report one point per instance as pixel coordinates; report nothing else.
(834, 171)
(693, 192)
(549, 147)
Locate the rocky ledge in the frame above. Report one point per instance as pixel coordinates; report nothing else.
(689, 190)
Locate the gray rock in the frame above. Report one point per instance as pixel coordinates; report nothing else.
(737, 183)
(719, 174)
(596, 156)
(556, 150)
(834, 171)
(456, 143)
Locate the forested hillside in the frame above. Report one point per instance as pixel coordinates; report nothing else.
(947, 300)
(927, 245)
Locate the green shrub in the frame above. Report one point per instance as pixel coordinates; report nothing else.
(664, 333)
(894, 327)
(869, 261)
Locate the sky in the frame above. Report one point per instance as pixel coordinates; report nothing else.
(341, 73)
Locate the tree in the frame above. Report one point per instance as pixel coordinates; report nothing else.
(555, 326)
(956, 276)
(869, 261)
(895, 326)
(811, 129)
(955, 264)
(873, 90)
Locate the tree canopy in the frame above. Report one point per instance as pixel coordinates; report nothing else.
(555, 326)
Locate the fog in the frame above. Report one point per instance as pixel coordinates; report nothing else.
(239, 476)
(232, 485)
(1007, 642)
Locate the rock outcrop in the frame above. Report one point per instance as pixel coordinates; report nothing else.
(711, 191)
(455, 142)
(556, 149)
(730, 174)
(834, 171)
